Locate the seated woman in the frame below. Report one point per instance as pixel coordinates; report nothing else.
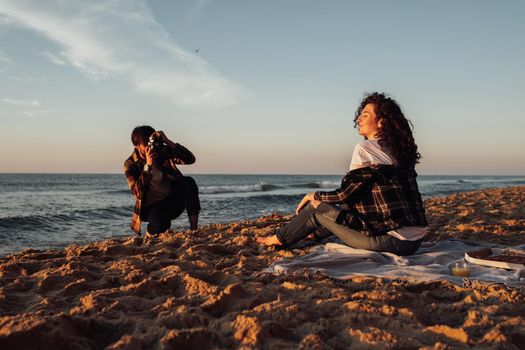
(378, 206)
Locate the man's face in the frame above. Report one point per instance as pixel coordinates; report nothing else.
(141, 149)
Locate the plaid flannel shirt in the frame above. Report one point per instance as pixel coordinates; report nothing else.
(378, 198)
(138, 179)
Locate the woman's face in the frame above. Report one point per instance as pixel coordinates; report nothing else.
(368, 124)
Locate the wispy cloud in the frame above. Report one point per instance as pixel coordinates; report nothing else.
(308, 80)
(54, 58)
(35, 113)
(121, 39)
(29, 106)
(23, 78)
(5, 63)
(11, 101)
(196, 9)
(4, 58)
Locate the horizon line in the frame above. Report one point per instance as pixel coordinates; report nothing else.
(246, 174)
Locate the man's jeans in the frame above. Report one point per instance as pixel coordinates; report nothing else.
(310, 220)
(185, 196)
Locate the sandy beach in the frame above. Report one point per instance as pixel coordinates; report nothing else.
(205, 290)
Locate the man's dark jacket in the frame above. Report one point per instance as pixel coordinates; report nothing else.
(138, 179)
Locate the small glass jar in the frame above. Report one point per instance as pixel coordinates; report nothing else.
(459, 269)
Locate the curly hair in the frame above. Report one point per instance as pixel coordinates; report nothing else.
(395, 134)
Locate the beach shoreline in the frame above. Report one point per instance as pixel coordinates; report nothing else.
(42, 211)
(206, 289)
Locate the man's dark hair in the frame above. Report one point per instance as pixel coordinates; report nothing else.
(141, 134)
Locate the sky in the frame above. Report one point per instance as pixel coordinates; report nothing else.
(259, 87)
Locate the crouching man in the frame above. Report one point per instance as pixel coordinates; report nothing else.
(161, 191)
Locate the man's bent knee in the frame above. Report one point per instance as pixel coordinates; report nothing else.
(156, 228)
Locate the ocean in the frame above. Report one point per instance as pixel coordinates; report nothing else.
(42, 211)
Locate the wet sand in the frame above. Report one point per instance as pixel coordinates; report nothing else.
(205, 290)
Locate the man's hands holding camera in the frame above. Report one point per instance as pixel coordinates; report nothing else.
(151, 155)
(162, 136)
(156, 140)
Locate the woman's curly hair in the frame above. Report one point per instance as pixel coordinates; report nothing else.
(395, 134)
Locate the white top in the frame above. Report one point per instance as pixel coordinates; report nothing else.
(369, 152)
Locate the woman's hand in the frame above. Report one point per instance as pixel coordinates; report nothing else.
(309, 198)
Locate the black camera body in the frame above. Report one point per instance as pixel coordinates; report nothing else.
(155, 143)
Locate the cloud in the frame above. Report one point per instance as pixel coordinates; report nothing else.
(38, 112)
(32, 103)
(5, 62)
(55, 59)
(308, 80)
(28, 103)
(4, 59)
(121, 39)
(24, 78)
(196, 9)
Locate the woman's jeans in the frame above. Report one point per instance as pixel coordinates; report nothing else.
(311, 219)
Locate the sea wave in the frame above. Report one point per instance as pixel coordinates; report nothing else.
(264, 187)
(259, 187)
(275, 198)
(307, 185)
(54, 221)
(330, 184)
(320, 184)
(126, 191)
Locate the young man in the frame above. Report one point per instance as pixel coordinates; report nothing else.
(161, 191)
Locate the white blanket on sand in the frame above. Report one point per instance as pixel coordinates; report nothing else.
(430, 263)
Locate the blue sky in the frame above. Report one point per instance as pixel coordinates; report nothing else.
(259, 87)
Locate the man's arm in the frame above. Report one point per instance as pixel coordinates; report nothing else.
(179, 153)
(182, 155)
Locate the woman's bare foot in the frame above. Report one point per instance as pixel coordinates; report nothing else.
(270, 240)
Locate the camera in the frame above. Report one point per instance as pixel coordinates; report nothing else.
(155, 143)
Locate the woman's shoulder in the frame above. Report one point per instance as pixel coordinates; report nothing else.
(368, 147)
(368, 144)
(372, 151)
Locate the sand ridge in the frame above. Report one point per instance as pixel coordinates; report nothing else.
(205, 290)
